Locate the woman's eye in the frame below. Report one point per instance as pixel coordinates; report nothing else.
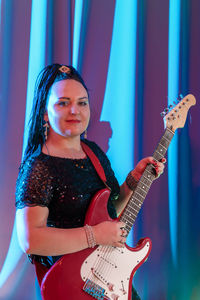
(83, 103)
(63, 103)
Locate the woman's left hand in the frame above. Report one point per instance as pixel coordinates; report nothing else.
(140, 167)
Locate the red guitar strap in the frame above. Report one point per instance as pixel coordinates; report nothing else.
(95, 161)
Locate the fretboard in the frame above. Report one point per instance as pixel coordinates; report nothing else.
(136, 200)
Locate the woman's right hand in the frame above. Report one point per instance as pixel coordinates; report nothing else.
(110, 233)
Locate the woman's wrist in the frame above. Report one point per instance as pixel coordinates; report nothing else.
(131, 181)
(91, 240)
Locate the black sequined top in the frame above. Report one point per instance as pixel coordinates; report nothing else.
(66, 186)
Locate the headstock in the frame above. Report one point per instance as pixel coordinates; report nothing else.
(176, 117)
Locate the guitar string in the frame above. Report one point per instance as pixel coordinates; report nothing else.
(112, 262)
(100, 266)
(103, 263)
(96, 263)
(91, 276)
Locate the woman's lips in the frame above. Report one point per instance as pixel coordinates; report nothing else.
(73, 121)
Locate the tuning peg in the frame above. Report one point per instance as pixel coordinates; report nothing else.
(162, 114)
(181, 96)
(166, 110)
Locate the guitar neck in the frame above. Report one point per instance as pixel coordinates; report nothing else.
(136, 200)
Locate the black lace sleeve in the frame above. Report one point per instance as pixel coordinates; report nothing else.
(34, 184)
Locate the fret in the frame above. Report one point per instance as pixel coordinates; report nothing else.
(168, 135)
(144, 183)
(146, 180)
(128, 223)
(132, 213)
(128, 228)
(170, 132)
(168, 140)
(134, 209)
(143, 188)
(130, 218)
(126, 218)
(165, 142)
(160, 154)
(137, 203)
(136, 200)
(157, 157)
(134, 206)
(161, 145)
(150, 175)
(141, 191)
(139, 195)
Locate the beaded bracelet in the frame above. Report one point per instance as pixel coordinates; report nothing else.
(131, 181)
(90, 236)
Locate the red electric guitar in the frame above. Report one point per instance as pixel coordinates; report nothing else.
(106, 272)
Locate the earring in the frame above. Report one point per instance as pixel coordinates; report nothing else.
(46, 128)
(85, 134)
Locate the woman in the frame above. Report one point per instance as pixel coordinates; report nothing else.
(57, 180)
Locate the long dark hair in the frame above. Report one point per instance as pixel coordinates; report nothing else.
(44, 82)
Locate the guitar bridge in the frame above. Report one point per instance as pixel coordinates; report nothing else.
(95, 290)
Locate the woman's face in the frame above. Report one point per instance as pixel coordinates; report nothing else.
(68, 110)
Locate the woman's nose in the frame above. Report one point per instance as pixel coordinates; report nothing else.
(74, 109)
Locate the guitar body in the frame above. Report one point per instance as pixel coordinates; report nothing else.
(104, 272)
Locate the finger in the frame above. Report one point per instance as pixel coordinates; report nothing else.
(121, 225)
(124, 233)
(160, 164)
(149, 160)
(156, 163)
(159, 171)
(163, 160)
(123, 240)
(120, 243)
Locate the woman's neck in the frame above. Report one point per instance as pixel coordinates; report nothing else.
(66, 147)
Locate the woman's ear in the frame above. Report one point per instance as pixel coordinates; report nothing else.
(46, 118)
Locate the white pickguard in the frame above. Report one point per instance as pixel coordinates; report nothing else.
(111, 268)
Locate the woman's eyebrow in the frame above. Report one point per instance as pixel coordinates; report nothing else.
(83, 98)
(68, 98)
